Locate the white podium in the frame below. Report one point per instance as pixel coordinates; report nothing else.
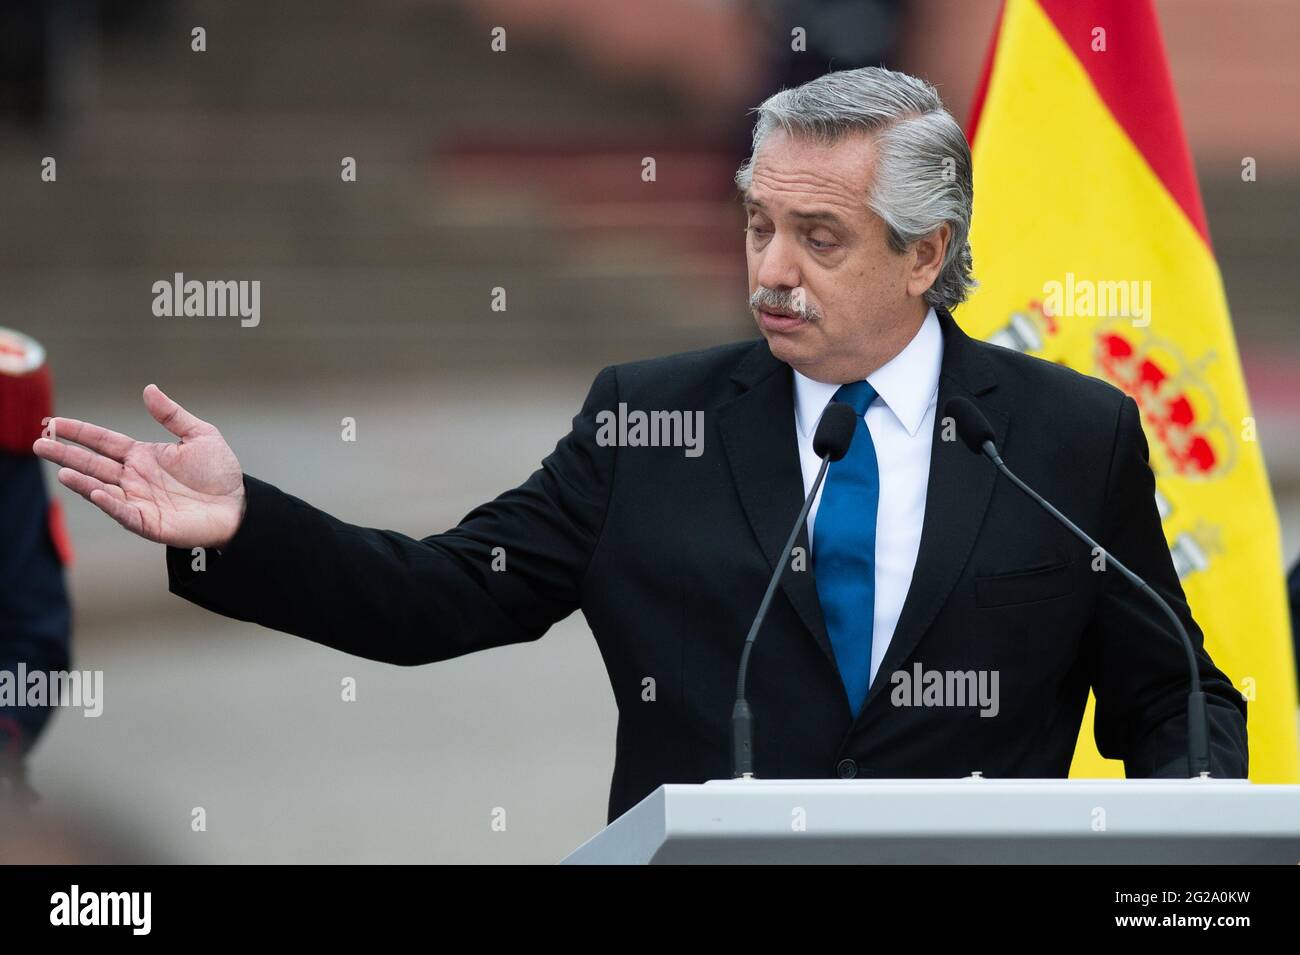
(972, 820)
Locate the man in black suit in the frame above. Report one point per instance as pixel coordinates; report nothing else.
(858, 195)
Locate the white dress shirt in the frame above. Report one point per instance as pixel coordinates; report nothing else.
(901, 422)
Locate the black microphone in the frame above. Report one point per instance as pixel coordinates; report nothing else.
(830, 443)
(975, 432)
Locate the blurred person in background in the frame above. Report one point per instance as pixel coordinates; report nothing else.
(1293, 592)
(835, 35)
(35, 616)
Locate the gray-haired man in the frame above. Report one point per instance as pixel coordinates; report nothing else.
(916, 559)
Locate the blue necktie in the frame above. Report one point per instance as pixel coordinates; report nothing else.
(844, 550)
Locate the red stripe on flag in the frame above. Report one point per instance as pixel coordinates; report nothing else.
(982, 88)
(1132, 79)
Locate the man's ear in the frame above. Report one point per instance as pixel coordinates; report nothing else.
(928, 255)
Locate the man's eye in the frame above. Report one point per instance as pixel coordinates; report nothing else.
(759, 230)
(820, 245)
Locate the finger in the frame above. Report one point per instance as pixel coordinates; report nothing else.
(108, 443)
(120, 511)
(172, 416)
(83, 484)
(79, 459)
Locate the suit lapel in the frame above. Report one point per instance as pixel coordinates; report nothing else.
(758, 433)
(960, 486)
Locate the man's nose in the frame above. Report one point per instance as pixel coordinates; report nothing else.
(777, 268)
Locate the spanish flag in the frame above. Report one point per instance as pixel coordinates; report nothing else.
(1091, 249)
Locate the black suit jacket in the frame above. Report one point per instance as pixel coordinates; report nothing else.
(667, 555)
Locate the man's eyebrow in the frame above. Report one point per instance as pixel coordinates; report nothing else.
(820, 215)
(816, 215)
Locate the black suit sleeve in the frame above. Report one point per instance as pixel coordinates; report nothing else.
(511, 569)
(1137, 664)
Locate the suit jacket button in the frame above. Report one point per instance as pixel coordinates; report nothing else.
(846, 769)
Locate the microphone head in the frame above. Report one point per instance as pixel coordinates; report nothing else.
(972, 427)
(835, 431)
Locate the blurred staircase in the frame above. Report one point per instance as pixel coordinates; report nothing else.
(475, 170)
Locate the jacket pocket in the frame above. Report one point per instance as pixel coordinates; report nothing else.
(1042, 582)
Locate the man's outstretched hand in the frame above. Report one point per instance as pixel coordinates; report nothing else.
(187, 494)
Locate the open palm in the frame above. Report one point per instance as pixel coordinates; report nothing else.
(185, 494)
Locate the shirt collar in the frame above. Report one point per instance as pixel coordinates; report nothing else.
(907, 383)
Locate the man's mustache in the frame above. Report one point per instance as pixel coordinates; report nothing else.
(784, 303)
